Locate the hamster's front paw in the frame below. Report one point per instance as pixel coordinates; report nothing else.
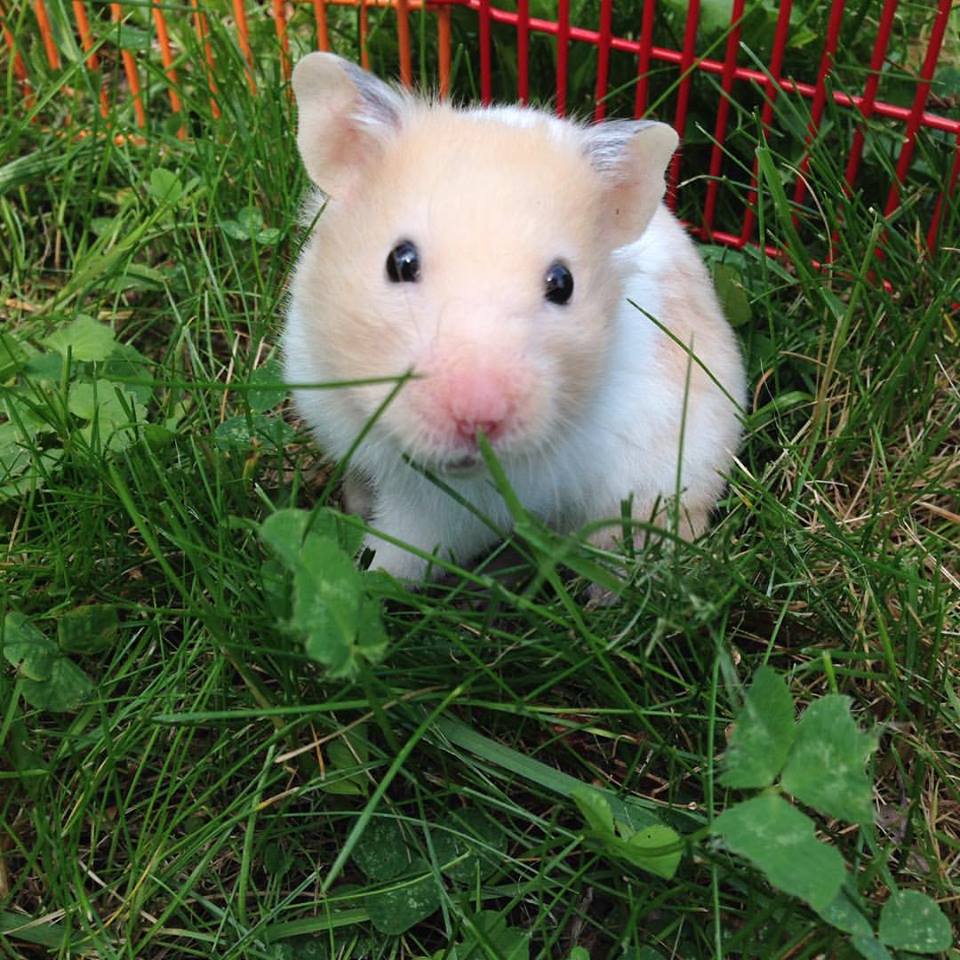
(396, 561)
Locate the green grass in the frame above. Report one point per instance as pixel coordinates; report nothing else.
(211, 796)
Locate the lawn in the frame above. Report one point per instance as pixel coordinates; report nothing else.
(190, 767)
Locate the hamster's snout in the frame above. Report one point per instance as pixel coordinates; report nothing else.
(459, 400)
(477, 400)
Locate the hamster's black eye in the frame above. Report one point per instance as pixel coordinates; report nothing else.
(558, 283)
(403, 263)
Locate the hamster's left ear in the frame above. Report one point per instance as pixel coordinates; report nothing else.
(631, 157)
(345, 115)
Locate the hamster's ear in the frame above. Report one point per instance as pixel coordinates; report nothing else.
(631, 157)
(345, 116)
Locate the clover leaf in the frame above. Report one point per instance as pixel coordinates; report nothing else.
(762, 735)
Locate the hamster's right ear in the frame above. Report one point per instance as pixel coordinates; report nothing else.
(345, 116)
(631, 157)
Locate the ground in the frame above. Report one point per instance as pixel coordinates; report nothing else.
(182, 777)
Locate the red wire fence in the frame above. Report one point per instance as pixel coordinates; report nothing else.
(640, 43)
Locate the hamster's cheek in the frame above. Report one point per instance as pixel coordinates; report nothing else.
(575, 346)
(367, 333)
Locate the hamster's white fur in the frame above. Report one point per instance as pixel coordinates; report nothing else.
(585, 402)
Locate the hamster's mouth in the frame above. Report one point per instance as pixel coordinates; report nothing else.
(469, 464)
(464, 465)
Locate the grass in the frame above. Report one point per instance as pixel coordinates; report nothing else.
(211, 798)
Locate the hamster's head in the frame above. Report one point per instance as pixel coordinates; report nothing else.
(472, 249)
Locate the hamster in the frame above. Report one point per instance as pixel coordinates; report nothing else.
(523, 269)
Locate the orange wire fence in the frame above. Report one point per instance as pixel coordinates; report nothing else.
(913, 119)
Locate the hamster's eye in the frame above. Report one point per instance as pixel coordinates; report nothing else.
(558, 283)
(403, 263)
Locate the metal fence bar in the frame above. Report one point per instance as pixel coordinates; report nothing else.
(443, 49)
(19, 68)
(486, 81)
(820, 93)
(603, 59)
(644, 54)
(772, 84)
(915, 117)
(210, 66)
(403, 42)
(563, 53)
(46, 33)
(130, 69)
(723, 114)
(166, 57)
(243, 37)
(683, 95)
(523, 51)
(884, 31)
(89, 48)
(364, 33)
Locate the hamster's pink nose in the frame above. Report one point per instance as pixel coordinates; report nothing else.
(478, 400)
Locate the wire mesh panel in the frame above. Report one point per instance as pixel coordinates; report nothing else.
(877, 84)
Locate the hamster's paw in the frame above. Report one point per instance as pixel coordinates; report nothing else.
(399, 563)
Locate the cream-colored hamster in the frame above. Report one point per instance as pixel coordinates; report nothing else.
(495, 253)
